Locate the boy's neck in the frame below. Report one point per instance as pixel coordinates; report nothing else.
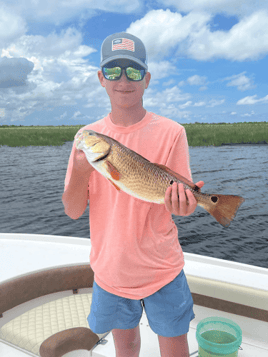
(127, 116)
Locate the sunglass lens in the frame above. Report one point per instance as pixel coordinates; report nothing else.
(112, 73)
(134, 74)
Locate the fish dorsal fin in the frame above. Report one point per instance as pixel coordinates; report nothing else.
(178, 176)
(113, 171)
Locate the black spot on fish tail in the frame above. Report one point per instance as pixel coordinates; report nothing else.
(196, 188)
(171, 182)
(214, 199)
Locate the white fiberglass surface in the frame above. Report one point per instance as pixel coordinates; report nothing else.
(27, 253)
(23, 253)
(226, 271)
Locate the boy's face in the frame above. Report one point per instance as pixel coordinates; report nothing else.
(123, 92)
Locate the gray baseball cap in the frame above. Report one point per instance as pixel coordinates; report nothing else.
(123, 45)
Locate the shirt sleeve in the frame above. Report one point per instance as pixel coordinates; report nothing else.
(178, 158)
(69, 168)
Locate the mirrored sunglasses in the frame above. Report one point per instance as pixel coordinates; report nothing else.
(115, 73)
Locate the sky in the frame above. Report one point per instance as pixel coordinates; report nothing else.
(208, 59)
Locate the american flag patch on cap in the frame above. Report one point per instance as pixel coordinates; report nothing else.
(123, 44)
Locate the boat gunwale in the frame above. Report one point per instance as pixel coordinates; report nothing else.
(197, 258)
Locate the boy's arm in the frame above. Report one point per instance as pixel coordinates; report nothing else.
(75, 196)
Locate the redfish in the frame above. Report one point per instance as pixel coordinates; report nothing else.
(135, 175)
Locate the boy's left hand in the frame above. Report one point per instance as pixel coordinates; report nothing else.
(176, 201)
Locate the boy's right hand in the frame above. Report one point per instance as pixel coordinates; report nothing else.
(81, 164)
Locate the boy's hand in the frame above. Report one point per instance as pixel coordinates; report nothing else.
(176, 201)
(81, 164)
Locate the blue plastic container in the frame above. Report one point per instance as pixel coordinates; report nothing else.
(217, 336)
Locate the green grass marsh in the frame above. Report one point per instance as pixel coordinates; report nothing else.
(198, 134)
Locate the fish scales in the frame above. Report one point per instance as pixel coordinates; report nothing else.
(140, 176)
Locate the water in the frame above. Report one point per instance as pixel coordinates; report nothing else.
(220, 338)
(32, 183)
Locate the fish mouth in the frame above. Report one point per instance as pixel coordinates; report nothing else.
(81, 141)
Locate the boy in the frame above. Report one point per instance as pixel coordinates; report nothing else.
(136, 256)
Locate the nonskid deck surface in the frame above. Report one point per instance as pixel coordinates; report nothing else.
(149, 343)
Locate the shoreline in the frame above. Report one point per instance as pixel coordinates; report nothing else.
(264, 143)
(248, 143)
(198, 134)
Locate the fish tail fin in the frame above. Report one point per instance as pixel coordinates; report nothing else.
(222, 207)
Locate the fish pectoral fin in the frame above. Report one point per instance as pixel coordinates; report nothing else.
(113, 171)
(118, 189)
(178, 176)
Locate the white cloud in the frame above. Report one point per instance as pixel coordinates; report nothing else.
(60, 77)
(62, 116)
(249, 100)
(62, 11)
(229, 7)
(240, 81)
(248, 114)
(78, 116)
(233, 113)
(173, 112)
(214, 102)
(161, 69)
(174, 94)
(11, 26)
(2, 112)
(169, 83)
(197, 80)
(245, 40)
(203, 88)
(166, 102)
(199, 104)
(66, 44)
(164, 31)
(185, 105)
(160, 99)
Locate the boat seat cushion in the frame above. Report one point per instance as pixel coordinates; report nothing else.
(79, 338)
(29, 330)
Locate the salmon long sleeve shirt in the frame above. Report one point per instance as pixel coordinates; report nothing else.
(135, 249)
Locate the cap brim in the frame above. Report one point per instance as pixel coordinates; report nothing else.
(133, 59)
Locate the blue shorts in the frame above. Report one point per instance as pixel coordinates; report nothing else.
(169, 310)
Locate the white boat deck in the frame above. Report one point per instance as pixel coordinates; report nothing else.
(21, 254)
